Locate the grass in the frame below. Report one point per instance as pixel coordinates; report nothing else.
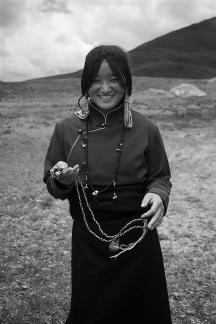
(36, 229)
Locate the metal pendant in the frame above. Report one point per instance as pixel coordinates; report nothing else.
(114, 245)
(115, 196)
(95, 193)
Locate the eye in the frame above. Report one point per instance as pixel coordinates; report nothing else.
(114, 79)
(96, 80)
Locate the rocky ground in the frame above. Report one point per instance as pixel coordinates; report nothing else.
(36, 229)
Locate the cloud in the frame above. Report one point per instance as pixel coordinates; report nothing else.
(11, 13)
(184, 11)
(55, 6)
(35, 53)
(46, 44)
(46, 37)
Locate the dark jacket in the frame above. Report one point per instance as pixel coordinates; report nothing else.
(143, 160)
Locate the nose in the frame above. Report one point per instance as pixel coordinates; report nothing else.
(105, 86)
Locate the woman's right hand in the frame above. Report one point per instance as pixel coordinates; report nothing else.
(67, 175)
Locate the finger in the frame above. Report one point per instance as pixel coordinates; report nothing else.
(154, 225)
(159, 222)
(153, 209)
(146, 201)
(67, 176)
(73, 170)
(70, 169)
(76, 167)
(71, 173)
(151, 212)
(147, 205)
(155, 221)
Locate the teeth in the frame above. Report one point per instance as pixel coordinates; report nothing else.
(106, 98)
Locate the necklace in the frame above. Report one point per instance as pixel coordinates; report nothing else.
(118, 149)
(138, 223)
(112, 239)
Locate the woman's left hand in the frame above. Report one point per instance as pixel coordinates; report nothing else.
(156, 211)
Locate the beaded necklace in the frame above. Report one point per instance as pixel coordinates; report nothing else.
(113, 240)
(118, 149)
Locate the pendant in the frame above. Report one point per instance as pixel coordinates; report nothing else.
(115, 196)
(95, 193)
(114, 245)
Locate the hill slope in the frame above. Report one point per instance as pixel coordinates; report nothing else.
(189, 52)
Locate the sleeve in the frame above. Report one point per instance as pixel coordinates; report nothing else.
(54, 154)
(158, 180)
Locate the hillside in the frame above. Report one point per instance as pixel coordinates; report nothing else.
(189, 52)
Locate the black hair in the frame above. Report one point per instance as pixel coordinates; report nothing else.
(118, 61)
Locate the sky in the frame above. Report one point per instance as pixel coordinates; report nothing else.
(47, 37)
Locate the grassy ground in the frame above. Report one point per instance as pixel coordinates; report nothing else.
(36, 229)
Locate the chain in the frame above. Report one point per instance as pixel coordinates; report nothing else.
(112, 239)
(116, 165)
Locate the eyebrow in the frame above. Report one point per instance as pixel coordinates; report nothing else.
(112, 75)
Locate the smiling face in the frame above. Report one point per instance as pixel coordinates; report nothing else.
(105, 90)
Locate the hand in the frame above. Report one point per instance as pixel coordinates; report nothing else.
(64, 173)
(156, 211)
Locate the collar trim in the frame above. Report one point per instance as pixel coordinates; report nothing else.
(128, 119)
(105, 116)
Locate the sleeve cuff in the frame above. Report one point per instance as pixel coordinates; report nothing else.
(59, 187)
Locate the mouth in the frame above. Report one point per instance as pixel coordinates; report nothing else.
(106, 98)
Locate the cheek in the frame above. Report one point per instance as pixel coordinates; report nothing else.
(121, 92)
(92, 91)
(119, 89)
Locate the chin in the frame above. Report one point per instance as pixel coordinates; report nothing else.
(107, 105)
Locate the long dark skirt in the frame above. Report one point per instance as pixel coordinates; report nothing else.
(129, 289)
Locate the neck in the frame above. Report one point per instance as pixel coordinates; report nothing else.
(105, 112)
(106, 116)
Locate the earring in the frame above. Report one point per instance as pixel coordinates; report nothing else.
(84, 108)
(86, 104)
(128, 120)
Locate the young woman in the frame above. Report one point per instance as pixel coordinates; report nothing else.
(109, 162)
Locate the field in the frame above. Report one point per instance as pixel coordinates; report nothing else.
(36, 229)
